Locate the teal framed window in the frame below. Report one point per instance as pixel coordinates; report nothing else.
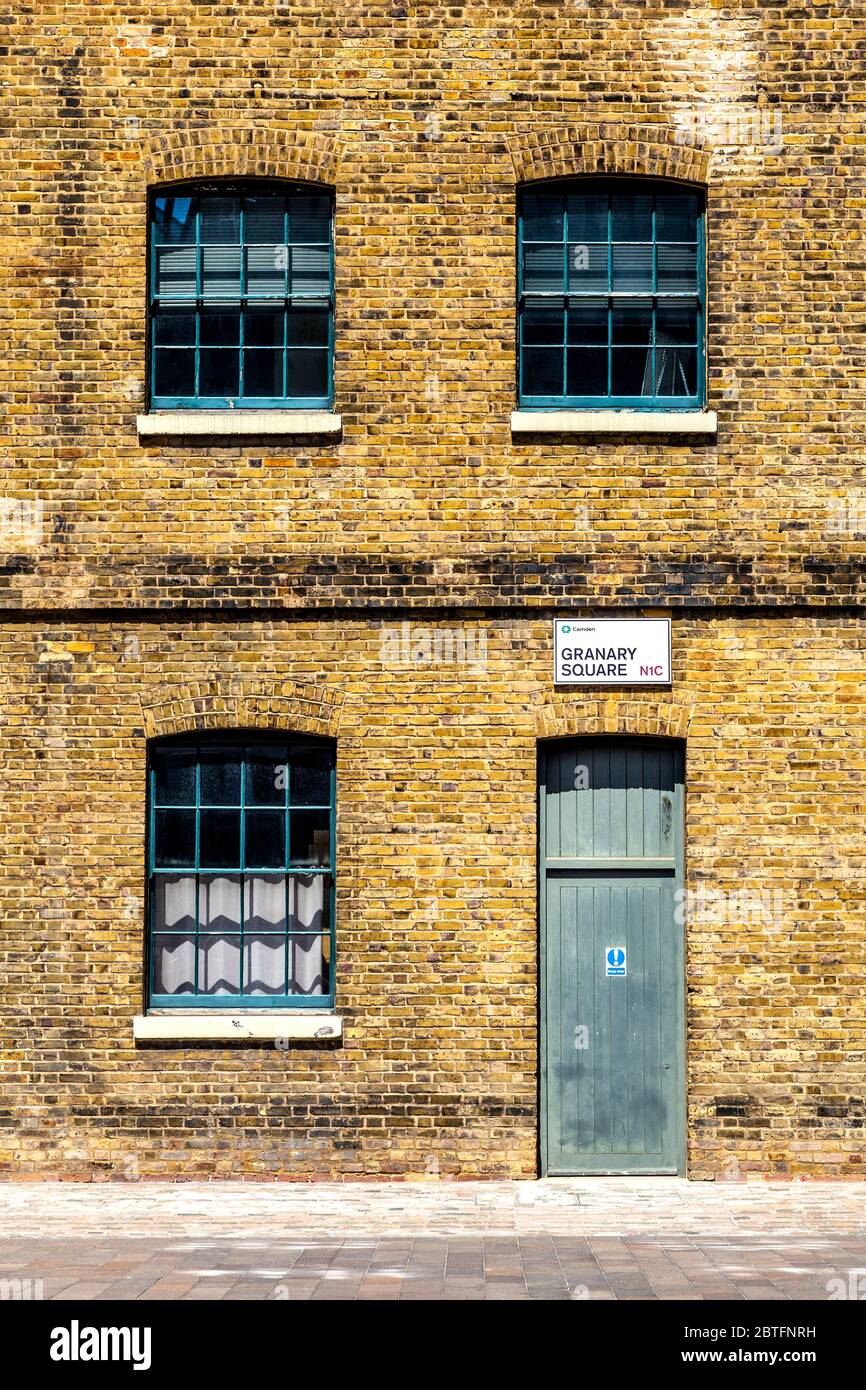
(241, 872)
(611, 295)
(241, 296)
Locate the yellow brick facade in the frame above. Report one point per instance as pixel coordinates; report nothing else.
(223, 584)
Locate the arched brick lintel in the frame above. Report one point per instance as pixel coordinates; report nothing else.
(304, 155)
(303, 708)
(644, 151)
(564, 718)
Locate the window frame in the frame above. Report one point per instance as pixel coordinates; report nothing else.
(239, 187)
(209, 742)
(610, 184)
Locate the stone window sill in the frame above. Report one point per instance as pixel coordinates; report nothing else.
(231, 423)
(613, 422)
(214, 1025)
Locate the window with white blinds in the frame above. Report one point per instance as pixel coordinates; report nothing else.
(241, 296)
(611, 295)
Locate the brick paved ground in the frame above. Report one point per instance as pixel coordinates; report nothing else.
(595, 1239)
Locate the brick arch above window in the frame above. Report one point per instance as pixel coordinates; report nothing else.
(635, 150)
(300, 155)
(653, 718)
(304, 708)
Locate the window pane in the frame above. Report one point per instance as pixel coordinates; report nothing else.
(677, 267)
(309, 899)
(221, 272)
(263, 373)
(632, 217)
(676, 322)
(308, 327)
(310, 837)
(542, 324)
(264, 327)
(174, 372)
(632, 267)
(266, 272)
(175, 273)
(310, 217)
(587, 321)
(173, 964)
(587, 371)
(174, 845)
(219, 903)
(264, 965)
(219, 372)
(542, 216)
(306, 373)
(174, 220)
(310, 270)
(174, 328)
(310, 783)
(632, 372)
(632, 321)
(175, 777)
(543, 268)
(174, 905)
(309, 967)
(587, 268)
(676, 217)
(265, 902)
(221, 777)
(220, 839)
(219, 326)
(267, 776)
(220, 219)
(265, 839)
(542, 371)
(219, 965)
(587, 216)
(676, 372)
(263, 219)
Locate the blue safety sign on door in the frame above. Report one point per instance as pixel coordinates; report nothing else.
(615, 960)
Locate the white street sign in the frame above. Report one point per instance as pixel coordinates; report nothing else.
(612, 651)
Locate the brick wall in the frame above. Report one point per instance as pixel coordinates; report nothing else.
(436, 896)
(223, 577)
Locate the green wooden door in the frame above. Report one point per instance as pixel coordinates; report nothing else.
(612, 1011)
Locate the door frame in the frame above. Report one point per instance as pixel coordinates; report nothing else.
(645, 740)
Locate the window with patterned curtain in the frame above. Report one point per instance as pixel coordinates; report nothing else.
(241, 296)
(612, 302)
(241, 871)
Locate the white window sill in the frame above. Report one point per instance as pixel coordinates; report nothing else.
(613, 422)
(236, 422)
(213, 1025)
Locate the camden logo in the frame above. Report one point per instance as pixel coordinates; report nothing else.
(77, 1343)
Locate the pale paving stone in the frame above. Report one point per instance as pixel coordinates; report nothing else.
(599, 1240)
